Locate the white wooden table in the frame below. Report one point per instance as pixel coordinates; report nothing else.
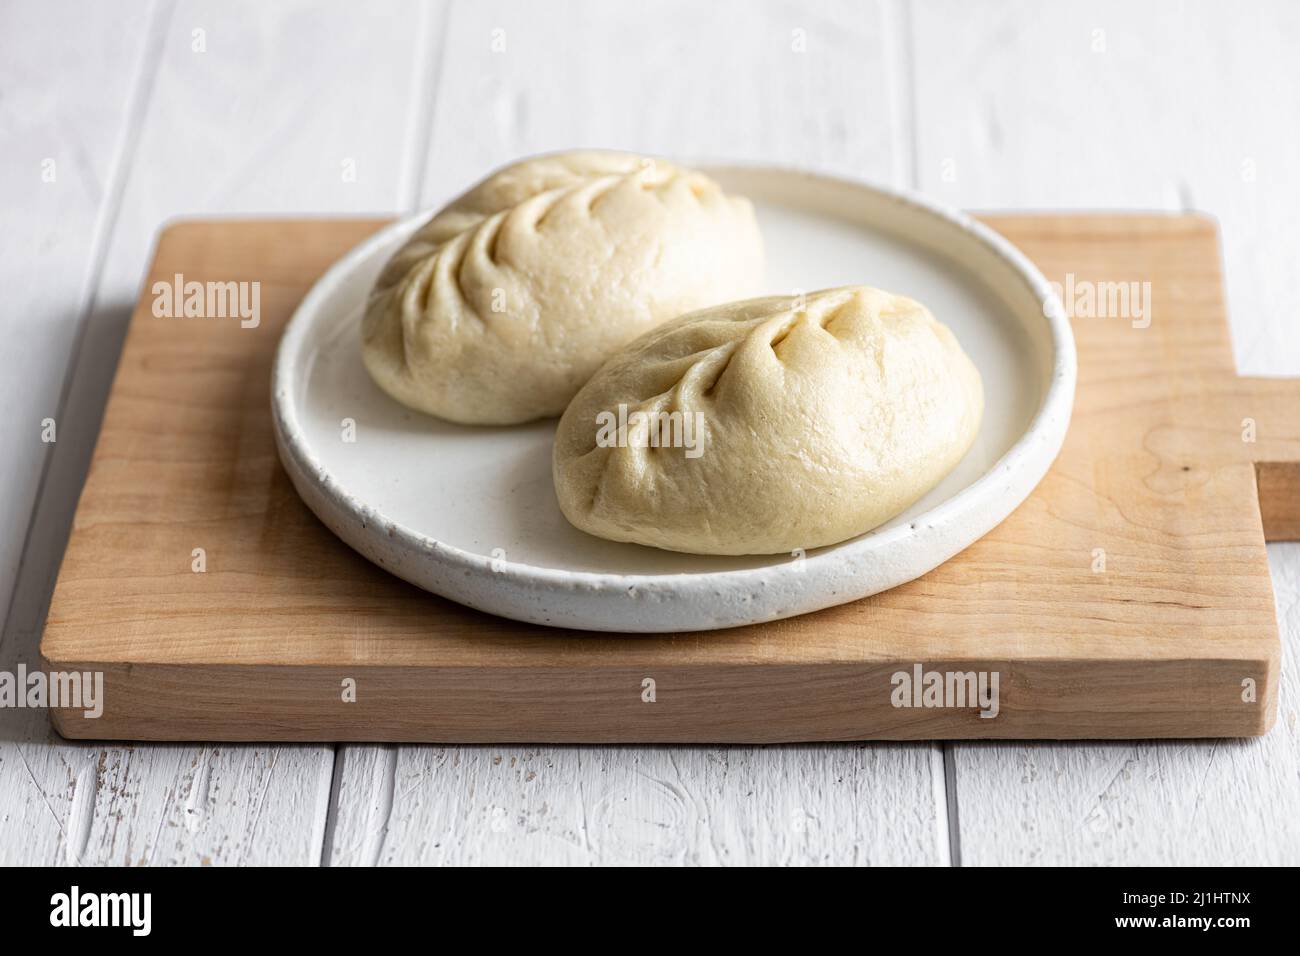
(117, 116)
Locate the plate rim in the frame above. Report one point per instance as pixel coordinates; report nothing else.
(1050, 420)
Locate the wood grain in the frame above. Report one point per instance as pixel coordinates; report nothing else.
(256, 648)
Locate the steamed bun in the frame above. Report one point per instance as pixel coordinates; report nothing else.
(798, 423)
(501, 306)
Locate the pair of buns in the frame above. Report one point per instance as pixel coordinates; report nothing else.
(559, 284)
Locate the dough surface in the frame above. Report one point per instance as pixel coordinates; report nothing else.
(817, 421)
(498, 309)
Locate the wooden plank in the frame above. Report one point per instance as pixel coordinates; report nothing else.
(1030, 106)
(232, 122)
(729, 80)
(66, 136)
(584, 806)
(166, 805)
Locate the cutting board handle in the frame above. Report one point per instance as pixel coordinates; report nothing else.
(1271, 436)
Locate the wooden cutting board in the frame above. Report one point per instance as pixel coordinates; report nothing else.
(1128, 597)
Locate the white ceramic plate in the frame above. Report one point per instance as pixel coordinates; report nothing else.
(470, 513)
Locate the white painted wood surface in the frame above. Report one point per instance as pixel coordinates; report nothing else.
(157, 111)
